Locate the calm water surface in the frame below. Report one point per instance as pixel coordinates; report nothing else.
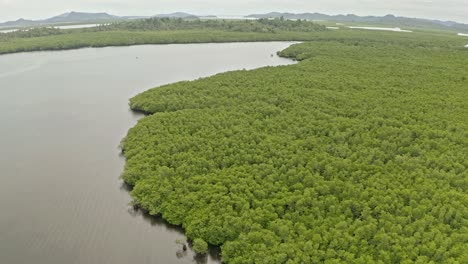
(60, 27)
(7, 30)
(383, 29)
(78, 26)
(62, 116)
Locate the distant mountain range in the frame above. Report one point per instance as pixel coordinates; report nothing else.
(388, 20)
(80, 17)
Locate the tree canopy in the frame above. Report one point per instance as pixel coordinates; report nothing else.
(357, 154)
(200, 246)
(258, 25)
(171, 24)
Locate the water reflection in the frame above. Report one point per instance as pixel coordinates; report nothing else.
(214, 253)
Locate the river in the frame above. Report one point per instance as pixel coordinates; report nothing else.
(62, 117)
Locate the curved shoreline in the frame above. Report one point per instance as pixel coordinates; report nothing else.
(123, 39)
(214, 155)
(76, 149)
(214, 252)
(80, 40)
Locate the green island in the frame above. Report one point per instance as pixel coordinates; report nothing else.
(356, 154)
(158, 31)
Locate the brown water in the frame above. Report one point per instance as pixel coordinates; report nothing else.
(62, 116)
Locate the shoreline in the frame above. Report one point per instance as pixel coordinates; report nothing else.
(150, 44)
(214, 251)
(155, 44)
(211, 157)
(99, 84)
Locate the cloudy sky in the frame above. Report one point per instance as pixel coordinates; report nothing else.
(438, 9)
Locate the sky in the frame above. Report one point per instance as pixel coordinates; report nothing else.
(456, 10)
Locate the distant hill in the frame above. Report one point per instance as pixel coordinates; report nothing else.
(70, 17)
(389, 20)
(133, 17)
(177, 15)
(18, 23)
(80, 17)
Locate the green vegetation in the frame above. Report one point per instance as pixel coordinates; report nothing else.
(157, 31)
(200, 246)
(357, 154)
(259, 26)
(384, 21)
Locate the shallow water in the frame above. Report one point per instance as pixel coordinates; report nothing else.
(62, 117)
(382, 28)
(60, 27)
(78, 26)
(8, 30)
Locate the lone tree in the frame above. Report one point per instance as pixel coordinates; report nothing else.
(200, 246)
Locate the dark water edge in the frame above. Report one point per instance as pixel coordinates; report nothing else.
(214, 252)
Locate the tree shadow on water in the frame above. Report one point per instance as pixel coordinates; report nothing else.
(126, 187)
(214, 253)
(213, 256)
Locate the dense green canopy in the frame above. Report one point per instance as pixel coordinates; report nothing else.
(258, 25)
(357, 154)
(169, 24)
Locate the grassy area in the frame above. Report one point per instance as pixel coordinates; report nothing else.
(357, 154)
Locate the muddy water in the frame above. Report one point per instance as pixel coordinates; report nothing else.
(62, 116)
